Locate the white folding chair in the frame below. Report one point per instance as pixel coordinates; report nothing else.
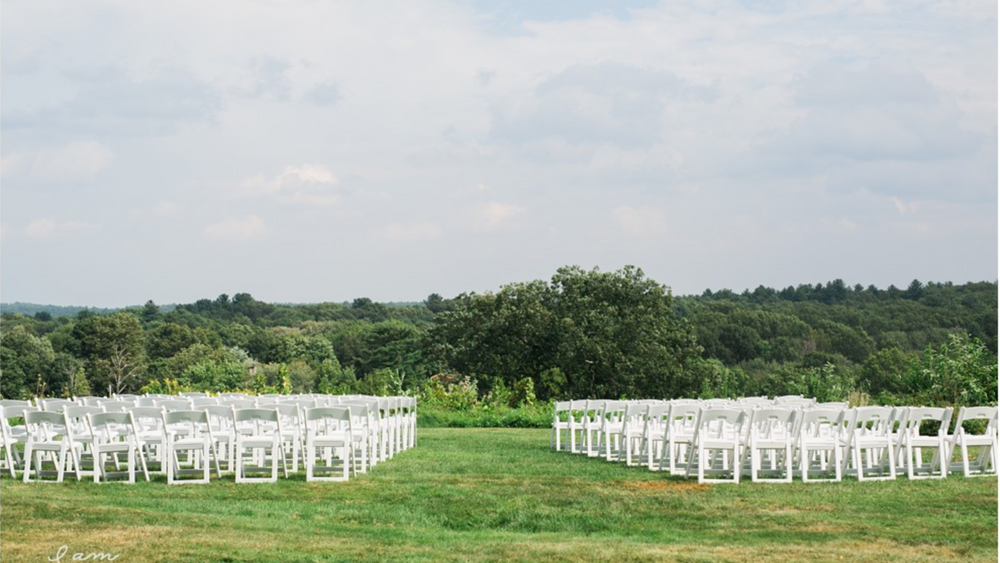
(409, 406)
(914, 443)
(576, 415)
(633, 433)
(329, 433)
(189, 432)
(362, 437)
(258, 431)
(560, 423)
(199, 401)
(115, 433)
(55, 405)
(292, 432)
(237, 402)
(150, 436)
(13, 434)
(174, 404)
(653, 433)
(44, 441)
(384, 417)
(717, 445)
(15, 403)
(366, 429)
(80, 438)
(770, 440)
(678, 438)
(869, 443)
(220, 418)
(985, 463)
(611, 427)
(820, 448)
(592, 421)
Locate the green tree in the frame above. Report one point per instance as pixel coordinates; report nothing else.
(334, 379)
(215, 376)
(610, 334)
(114, 349)
(168, 339)
(962, 371)
(25, 359)
(884, 371)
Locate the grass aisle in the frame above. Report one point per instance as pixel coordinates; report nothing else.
(502, 495)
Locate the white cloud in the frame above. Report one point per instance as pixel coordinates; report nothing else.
(841, 225)
(249, 227)
(41, 228)
(267, 77)
(109, 98)
(47, 228)
(12, 164)
(411, 231)
(74, 162)
(643, 221)
(494, 214)
(164, 208)
(905, 207)
(877, 112)
(309, 184)
(323, 94)
(607, 103)
(691, 113)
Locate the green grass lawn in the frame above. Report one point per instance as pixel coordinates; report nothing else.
(502, 495)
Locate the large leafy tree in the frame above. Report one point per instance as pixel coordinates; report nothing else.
(26, 361)
(113, 347)
(603, 333)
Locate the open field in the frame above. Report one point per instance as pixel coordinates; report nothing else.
(502, 495)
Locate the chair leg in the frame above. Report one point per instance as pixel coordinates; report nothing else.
(310, 461)
(98, 464)
(168, 453)
(28, 459)
(60, 466)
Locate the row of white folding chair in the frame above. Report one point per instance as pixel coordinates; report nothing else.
(390, 422)
(13, 435)
(397, 427)
(892, 441)
(84, 436)
(593, 425)
(818, 440)
(988, 458)
(66, 437)
(608, 419)
(604, 419)
(877, 442)
(396, 420)
(371, 428)
(872, 442)
(64, 440)
(257, 431)
(393, 423)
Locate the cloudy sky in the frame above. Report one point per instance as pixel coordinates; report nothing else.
(307, 151)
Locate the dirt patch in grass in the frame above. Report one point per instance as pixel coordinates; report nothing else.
(666, 486)
(584, 550)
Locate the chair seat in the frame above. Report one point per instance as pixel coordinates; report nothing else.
(257, 441)
(328, 442)
(189, 443)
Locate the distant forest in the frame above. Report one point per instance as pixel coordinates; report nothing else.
(583, 333)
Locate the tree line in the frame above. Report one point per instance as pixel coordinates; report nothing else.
(582, 333)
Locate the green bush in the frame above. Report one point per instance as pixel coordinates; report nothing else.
(535, 416)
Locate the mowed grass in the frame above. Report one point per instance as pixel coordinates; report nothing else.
(502, 495)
